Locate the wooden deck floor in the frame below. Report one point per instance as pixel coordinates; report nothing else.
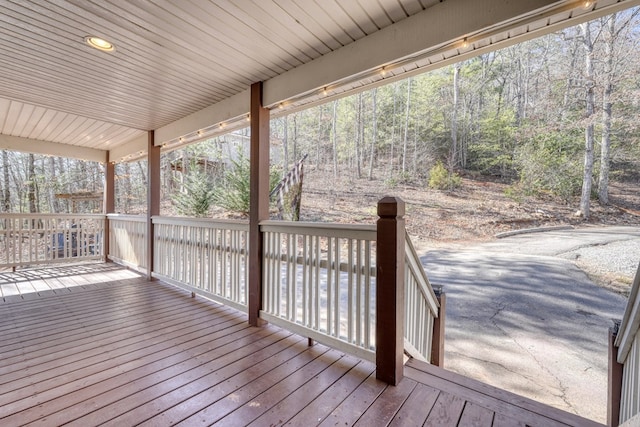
(117, 350)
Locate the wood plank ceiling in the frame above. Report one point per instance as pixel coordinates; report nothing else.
(182, 66)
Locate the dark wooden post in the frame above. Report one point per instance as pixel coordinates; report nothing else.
(614, 388)
(153, 195)
(258, 199)
(390, 290)
(109, 202)
(437, 343)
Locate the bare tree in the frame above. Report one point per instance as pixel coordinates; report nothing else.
(588, 43)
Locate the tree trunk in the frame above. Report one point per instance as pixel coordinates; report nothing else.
(320, 133)
(393, 128)
(374, 139)
(31, 186)
(285, 145)
(585, 198)
(6, 197)
(334, 138)
(406, 127)
(359, 140)
(605, 143)
(453, 154)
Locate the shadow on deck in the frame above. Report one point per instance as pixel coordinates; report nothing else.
(98, 344)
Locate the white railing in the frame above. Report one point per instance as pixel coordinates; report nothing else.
(205, 256)
(31, 239)
(128, 241)
(421, 306)
(628, 343)
(319, 281)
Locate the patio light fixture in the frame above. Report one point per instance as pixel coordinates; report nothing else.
(99, 43)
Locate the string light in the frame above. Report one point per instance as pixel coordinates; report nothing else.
(587, 4)
(383, 71)
(324, 91)
(465, 43)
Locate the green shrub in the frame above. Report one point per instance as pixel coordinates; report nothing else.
(442, 179)
(233, 192)
(196, 196)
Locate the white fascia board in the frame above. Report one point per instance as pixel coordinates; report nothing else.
(228, 109)
(442, 24)
(35, 146)
(131, 149)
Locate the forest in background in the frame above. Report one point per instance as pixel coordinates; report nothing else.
(558, 115)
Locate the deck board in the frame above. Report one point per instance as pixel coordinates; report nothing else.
(100, 345)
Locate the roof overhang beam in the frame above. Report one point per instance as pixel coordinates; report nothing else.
(47, 148)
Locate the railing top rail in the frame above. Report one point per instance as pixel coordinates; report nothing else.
(416, 266)
(630, 321)
(127, 217)
(355, 231)
(50, 215)
(229, 224)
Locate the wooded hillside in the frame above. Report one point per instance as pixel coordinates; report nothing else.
(558, 115)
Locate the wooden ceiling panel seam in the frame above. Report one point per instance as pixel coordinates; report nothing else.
(392, 10)
(45, 44)
(58, 61)
(5, 105)
(342, 17)
(260, 41)
(309, 21)
(25, 119)
(92, 136)
(126, 113)
(273, 32)
(411, 7)
(360, 17)
(216, 28)
(315, 47)
(11, 118)
(112, 119)
(86, 129)
(181, 70)
(50, 124)
(380, 15)
(186, 38)
(328, 22)
(117, 138)
(66, 127)
(41, 124)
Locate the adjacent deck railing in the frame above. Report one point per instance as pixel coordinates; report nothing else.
(33, 239)
(128, 240)
(421, 306)
(628, 355)
(319, 281)
(207, 256)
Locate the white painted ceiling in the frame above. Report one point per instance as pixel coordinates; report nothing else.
(182, 66)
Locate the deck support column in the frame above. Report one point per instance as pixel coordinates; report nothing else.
(390, 265)
(109, 203)
(437, 344)
(258, 199)
(614, 386)
(153, 195)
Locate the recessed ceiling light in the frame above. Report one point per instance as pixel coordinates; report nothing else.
(100, 44)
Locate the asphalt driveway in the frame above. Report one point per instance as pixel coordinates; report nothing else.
(522, 316)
